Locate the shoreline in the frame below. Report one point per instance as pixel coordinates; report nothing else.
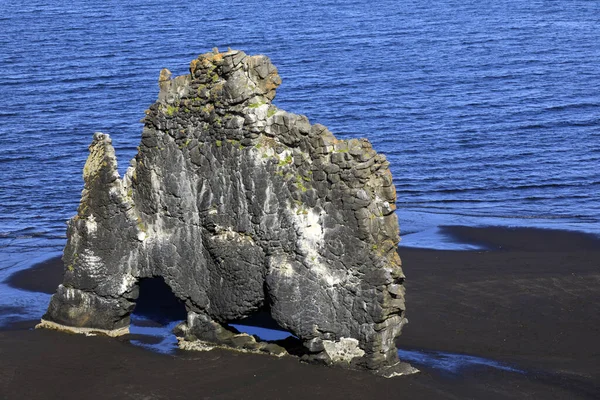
(490, 237)
(530, 300)
(42, 276)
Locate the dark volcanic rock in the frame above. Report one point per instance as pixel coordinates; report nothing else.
(240, 206)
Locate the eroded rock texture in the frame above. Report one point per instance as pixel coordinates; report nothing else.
(240, 206)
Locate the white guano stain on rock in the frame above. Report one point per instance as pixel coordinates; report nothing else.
(127, 283)
(344, 350)
(69, 292)
(228, 235)
(91, 262)
(196, 345)
(155, 230)
(261, 112)
(310, 236)
(90, 225)
(280, 264)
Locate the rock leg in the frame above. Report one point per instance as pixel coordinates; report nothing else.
(200, 332)
(82, 312)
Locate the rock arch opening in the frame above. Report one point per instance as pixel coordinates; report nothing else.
(157, 304)
(261, 325)
(157, 311)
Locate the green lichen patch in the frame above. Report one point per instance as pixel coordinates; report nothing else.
(141, 225)
(301, 211)
(299, 184)
(256, 105)
(207, 108)
(236, 144)
(185, 143)
(171, 110)
(286, 161)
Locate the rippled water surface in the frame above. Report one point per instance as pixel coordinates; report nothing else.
(488, 111)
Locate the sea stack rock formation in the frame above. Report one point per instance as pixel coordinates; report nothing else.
(240, 206)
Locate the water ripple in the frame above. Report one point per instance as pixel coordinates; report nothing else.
(482, 107)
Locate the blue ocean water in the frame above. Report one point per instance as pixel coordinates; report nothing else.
(451, 362)
(488, 111)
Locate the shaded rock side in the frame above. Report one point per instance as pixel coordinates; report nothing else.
(240, 206)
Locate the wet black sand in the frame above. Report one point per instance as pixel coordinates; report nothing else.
(531, 301)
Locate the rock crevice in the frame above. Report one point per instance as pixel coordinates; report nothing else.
(240, 206)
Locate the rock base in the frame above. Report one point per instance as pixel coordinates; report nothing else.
(252, 346)
(399, 369)
(82, 331)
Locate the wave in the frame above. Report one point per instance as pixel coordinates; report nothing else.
(573, 106)
(591, 122)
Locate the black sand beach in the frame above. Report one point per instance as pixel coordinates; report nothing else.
(531, 300)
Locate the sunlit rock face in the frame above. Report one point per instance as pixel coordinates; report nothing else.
(240, 206)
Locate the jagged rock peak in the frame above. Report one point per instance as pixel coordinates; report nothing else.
(240, 207)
